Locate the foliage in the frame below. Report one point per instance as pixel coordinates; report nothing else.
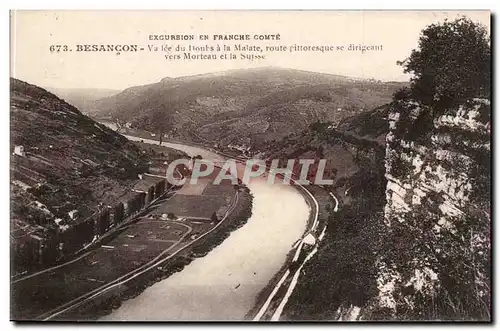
(344, 269)
(319, 127)
(452, 63)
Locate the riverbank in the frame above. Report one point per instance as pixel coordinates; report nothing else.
(279, 284)
(249, 267)
(104, 305)
(342, 277)
(102, 278)
(233, 274)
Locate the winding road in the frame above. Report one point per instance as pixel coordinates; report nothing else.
(123, 225)
(289, 277)
(135, 273)
(293, 281)
(240, 297)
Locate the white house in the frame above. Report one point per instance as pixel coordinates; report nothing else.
(19, 150)
(73, 214)
(310, 240)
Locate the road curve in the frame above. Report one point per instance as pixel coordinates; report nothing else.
(131, 275)
(277, 314)
(121, 226)
(311, 201)
(300, 245)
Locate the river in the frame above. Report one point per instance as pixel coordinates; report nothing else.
(224, 284)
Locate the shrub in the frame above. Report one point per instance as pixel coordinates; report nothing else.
(452, 63)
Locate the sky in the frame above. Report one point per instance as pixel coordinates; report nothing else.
(33, 32)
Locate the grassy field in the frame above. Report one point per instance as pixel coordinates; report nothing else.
(134, 246)
(105, 303)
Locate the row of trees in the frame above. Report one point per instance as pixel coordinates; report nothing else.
(57, 244)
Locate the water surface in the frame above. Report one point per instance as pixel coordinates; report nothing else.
(224, 284)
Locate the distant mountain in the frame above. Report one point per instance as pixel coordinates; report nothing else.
(82, 98)
(62, 161)
(244, 107)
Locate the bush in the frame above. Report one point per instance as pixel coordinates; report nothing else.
(452, 63)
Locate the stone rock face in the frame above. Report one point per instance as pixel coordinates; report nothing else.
(437, 211)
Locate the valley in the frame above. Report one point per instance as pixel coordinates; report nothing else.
(166, 238)
(193, 247)
(206, 175)
(245, 108)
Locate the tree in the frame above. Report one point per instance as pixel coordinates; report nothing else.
(319, 127)
(452, 63)
(161, 121)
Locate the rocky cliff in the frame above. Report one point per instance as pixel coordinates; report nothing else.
(435, 263)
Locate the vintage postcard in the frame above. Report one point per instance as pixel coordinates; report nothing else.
(250, 166)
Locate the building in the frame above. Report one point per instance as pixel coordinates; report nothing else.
(19, 150)
(73, 214)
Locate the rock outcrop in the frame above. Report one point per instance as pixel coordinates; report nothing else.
(436, 262)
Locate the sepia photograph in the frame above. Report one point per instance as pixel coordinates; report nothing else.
(255, 166)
